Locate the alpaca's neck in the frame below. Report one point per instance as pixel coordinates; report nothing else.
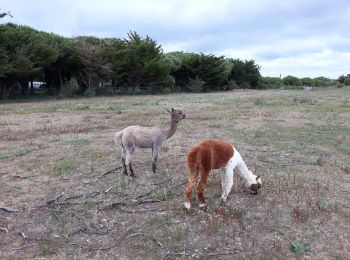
(172, 129)
(243, 170)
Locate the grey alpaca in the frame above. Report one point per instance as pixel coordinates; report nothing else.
(145, 137)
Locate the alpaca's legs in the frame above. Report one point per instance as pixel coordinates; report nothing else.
(188, 191)
(123, 162)
(154, 158)
(200, 188)
(128, 162)
(131, 170)
(226, 183)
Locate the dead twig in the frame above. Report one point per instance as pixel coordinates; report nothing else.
(26, 152)
(23, 235)
(6, 218)
(4, 229)
(23, 247)
(109, 171)
(140, 211)
(115, 241)
(9, 209)
(106, 191)
(149, 192)
(201, 254)
(54, 199)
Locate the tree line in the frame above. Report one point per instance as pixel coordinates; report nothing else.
(88, 65)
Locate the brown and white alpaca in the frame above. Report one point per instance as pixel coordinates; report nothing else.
(215, 154)
(146, 137)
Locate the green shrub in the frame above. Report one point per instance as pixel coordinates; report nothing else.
(347, 81)
(232, 85)
(196, 85)
(291, 81)
(244, 85)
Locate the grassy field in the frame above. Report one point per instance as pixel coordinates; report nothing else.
(62, 193)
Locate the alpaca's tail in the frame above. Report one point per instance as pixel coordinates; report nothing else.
(193, 170)
(118, 137)
(192, 161)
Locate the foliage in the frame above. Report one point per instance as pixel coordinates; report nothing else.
(245, 73)
(271, 82)
(344, 79)
(141, 63)
(291, 81)
(90, 66)
(347, 81)
(188, 68)
(322, 82)
(307, 82)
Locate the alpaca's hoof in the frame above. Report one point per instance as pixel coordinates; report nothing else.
(187, 210)
(222, 202)
(203, 207)
(125, 173)
(187, 206)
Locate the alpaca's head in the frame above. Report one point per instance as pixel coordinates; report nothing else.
(176, 114)
(255, 186)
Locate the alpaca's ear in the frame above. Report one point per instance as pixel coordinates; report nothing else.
(168, 110)
(257, 177)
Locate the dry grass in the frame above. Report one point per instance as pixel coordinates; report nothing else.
(59, 166)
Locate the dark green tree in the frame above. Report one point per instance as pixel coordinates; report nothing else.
(291, 81)
(245, 73)
(92, 68)
(142, 64)
(307, 81)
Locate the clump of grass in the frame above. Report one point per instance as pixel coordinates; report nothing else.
(304, 100)
(80, 141)
(162, 195)
(81, 107)
(63, 167)
(159, 176)
(161, 219)
(94, 154)
(227, 214)
(300, 214)
(298, 248)
(164, 149)
(108, 107)
(32, 110)
(47, 247)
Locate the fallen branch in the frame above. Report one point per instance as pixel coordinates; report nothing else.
(8, 209)
(26, 152)
(23, 235)
(5, 218)
(108, 172)
(204, 254)
(54, 199)
(106, 191)
(140, 211)
(4, 229)
(149, 192)
(115, 241)
(23, 247)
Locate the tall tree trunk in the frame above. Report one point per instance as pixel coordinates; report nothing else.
(31, 88)
(63, 87)
(3, 91)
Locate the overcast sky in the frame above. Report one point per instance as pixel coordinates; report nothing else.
(289, 37)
